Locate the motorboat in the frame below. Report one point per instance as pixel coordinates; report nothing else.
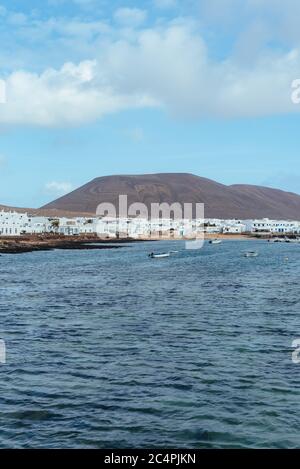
(159, 256)
(215, 241)
(251, 254)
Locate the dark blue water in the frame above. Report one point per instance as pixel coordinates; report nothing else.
(108, 349)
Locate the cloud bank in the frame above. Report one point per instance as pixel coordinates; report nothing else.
(166, 66)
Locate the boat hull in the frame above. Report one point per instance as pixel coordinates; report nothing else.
(159, 256)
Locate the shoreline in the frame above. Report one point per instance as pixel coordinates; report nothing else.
(230, 236)
(34, 243)
(21, 245)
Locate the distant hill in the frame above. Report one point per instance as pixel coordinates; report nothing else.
(221, 201)
(51, 213)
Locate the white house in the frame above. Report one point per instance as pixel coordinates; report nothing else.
(12, 223)
(234, 227)
(275, 226)
(213, 225)
(37, 225)
(16, 224)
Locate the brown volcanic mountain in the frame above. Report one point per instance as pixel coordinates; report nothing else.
(221, 201)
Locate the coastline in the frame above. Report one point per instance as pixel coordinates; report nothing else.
(209, 236)
(33, 243)
(230, 236)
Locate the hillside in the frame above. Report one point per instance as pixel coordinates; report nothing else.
(221, 201)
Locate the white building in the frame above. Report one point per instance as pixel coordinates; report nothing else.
(12, 223)
(37, 225)
(213, 225)
(234, 226)
(275, 226)
(16, 224)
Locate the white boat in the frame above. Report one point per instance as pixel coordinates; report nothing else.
(251, 254)
(159, 256)
(215, 241)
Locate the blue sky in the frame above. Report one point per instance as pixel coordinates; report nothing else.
(96, 87)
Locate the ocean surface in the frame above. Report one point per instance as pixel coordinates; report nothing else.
(109, 349)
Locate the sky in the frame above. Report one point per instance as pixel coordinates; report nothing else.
(100, 87)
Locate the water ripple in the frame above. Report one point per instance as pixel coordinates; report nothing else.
(108, 349)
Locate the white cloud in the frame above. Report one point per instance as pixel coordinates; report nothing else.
(130, 16)
(74, 94)
(2, 92)
(172, 66)
(167, 66)
(58, 188)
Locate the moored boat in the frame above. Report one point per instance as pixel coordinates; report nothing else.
(215, 241)
(159, 255)
(251, 254)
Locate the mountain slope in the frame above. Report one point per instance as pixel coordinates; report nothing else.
(221, 201)
(41, 212)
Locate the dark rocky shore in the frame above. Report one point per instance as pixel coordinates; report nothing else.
(44, 243)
